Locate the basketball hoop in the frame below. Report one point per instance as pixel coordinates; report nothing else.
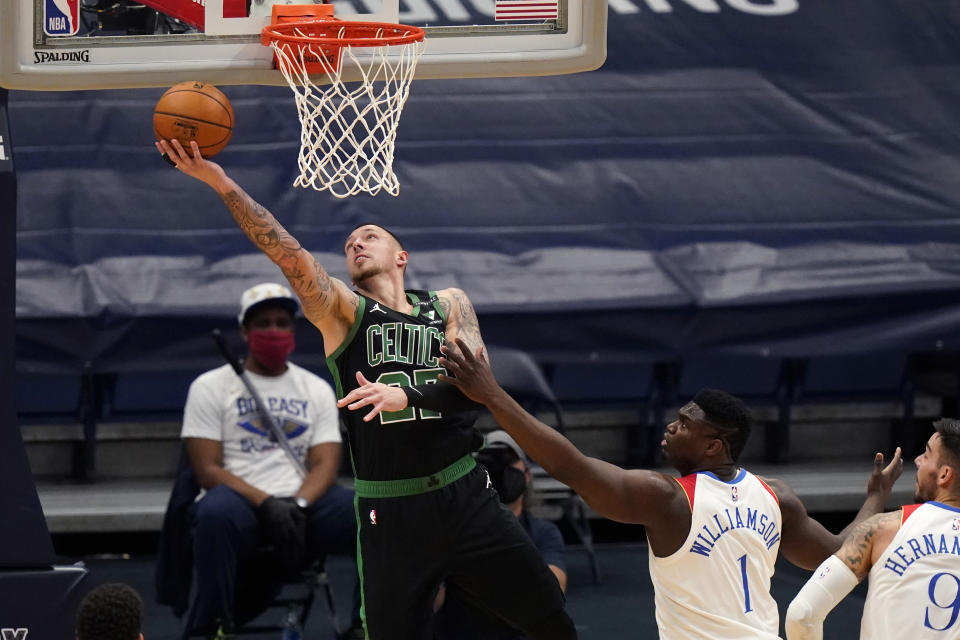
(348, 132)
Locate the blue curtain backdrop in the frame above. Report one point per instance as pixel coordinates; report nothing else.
(742, 177)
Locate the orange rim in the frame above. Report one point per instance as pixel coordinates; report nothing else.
(340, 33)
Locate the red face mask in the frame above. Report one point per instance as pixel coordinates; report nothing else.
(271, 348)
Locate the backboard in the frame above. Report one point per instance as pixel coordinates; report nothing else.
(102, 44)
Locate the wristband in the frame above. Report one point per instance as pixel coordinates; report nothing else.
(439, 396)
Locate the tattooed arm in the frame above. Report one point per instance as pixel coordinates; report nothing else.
(461, 318)
(867, 542)
(320, 294)
(327, 302)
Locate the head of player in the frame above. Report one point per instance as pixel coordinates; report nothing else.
(374, 252)
(266, 320)
(709, 433)
(938, 467)
(110, 612)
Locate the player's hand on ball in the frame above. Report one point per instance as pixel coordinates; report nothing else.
(378, 396)
(190, 162)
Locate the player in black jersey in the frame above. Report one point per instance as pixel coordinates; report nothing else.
(425, 510)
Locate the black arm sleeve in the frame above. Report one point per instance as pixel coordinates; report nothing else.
(439, 396)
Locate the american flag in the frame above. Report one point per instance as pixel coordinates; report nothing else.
(525, 10)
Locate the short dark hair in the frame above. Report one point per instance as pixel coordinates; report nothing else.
(111, 611)
(377, 224)
(729, 414)
(949, 430)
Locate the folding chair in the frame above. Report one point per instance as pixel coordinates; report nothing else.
(175, 567)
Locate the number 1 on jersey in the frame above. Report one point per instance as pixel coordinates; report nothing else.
(746, 587)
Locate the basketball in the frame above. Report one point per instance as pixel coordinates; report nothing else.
(196, 111)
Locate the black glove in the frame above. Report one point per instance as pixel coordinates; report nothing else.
(284, 526)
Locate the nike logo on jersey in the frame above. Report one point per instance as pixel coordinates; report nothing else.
(376, 307)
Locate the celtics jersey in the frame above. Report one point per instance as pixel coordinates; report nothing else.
(400, 350)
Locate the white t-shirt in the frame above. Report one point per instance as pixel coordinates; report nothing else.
(717, 585)
(219, 407)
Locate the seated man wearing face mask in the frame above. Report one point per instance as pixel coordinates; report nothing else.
(258, 521)
(458, 618)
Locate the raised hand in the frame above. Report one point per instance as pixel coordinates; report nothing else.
(378, 396)
(882, 478)
(190, 163)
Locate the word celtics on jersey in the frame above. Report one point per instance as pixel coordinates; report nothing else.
(403, 341)
(406, 342)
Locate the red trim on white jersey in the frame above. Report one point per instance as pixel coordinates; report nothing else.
(908, 510)
(689, 485)
(767, 487)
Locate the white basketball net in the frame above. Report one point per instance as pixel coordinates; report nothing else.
(348, 136)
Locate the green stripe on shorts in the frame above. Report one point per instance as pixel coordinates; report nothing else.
(414, 486)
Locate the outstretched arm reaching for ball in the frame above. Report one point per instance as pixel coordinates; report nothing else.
(636, 496)
(327, 302)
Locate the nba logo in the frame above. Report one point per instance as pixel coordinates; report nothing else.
(373, 516)
(956, 524)
(61, 17)
(734, 493)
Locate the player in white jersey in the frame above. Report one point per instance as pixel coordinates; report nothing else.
(912, 556)
(713, 533)
(717, 584)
